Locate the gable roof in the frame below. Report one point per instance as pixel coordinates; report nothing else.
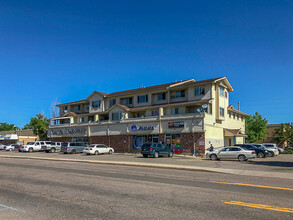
(171, 85)
(231, 108)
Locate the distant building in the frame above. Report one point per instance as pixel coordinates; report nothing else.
(17, 137)
(270, 137)
(187, 114)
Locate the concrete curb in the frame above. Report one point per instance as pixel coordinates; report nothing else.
(166, 166)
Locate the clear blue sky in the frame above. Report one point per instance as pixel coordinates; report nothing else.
(67, 49)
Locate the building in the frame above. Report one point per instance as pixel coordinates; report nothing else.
(189, 114)
(17, 137)
(270, 137)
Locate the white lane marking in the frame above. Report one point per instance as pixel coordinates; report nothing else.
(9, 207)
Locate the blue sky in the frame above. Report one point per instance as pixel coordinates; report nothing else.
(67, 49)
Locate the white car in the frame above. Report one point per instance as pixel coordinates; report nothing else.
(31, 146)
(272, 147)
(9, 147)
(97, 149)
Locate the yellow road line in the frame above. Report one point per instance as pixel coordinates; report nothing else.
(260, 206)
(245, 184)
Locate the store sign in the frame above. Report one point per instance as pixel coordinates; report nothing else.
(135, 128)
(67, 131)
(176, 124)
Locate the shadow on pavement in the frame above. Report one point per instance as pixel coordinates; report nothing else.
(272, 163)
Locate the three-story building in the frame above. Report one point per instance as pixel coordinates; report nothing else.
(189, 114)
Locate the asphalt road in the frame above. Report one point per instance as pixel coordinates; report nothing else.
(33, 189)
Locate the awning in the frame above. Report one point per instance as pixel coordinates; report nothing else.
(8, 137)
(234, 132)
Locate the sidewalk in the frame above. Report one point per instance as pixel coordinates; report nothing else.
(153, 164)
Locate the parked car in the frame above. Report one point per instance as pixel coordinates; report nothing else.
(52, 147)
(260, 152)
(11, 147)
(32, 146)
(270, 151)
(97, 149)
(72, 147)
(156, 150)
(271, 147)
(281, 150)
(232, 152)
(2, 147)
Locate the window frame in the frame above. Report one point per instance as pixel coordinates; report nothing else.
(199, 91)
(222, 112)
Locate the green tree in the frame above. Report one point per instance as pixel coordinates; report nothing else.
(284, 133)
(8, 127)
(40, 125)
(27, 126)
(256, 128)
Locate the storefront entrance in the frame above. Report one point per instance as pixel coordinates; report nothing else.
(173, 140)
(139, 140)
(80, 139)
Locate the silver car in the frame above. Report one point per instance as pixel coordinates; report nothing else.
(232, 152)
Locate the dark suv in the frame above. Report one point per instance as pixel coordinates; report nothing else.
(156, 150)
(262, 153)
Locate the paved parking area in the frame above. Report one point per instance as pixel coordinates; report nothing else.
(281, 163)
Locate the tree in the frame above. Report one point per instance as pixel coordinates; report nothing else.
(256, 128)
(284, 134)
(27, 126)
(40, 125)
(8, 127)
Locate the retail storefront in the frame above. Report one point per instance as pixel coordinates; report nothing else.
(129, 136)
(17, 137)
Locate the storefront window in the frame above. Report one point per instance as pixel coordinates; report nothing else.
(173, 140)
(139, 140)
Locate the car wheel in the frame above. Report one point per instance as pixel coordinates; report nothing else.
(30, 150)
(271, 154)
(10, 149)
(110, 151)
(242, 158)
(52, 150)
(96, 152)
(214, 157)
(73, 152)
(156, 154)
(261, 155)
(171, 154)
(145, 155)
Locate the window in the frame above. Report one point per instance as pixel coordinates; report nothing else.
(237, 117)
(65, 108)
(222, 112)
(226, 94)
(241, 118)
(77, 108)
(81, 120)
(174, 111)
(112, 102)
(161, 96)
(230, 115)
(199, 91)
(180, 94)
(142, 98)
(155, 113)
(128, 101)
(87, 107)
(96, 104)
(235, 149)
(116, 116)
(234, 116)
(222, 91)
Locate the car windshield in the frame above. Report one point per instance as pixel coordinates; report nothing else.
(269, 146)
(92, 145)
(64, 144)
(30, 143)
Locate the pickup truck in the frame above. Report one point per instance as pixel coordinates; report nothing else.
(52, 148)
(156, 150)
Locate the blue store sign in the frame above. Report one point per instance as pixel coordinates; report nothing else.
(135, 128)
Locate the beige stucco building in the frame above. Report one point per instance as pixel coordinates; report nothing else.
(189, 114)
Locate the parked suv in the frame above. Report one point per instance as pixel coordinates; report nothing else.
(34, 146)
(270, 151)
(156, 150)
(262, 153)
(52, 148)
(72, 147)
